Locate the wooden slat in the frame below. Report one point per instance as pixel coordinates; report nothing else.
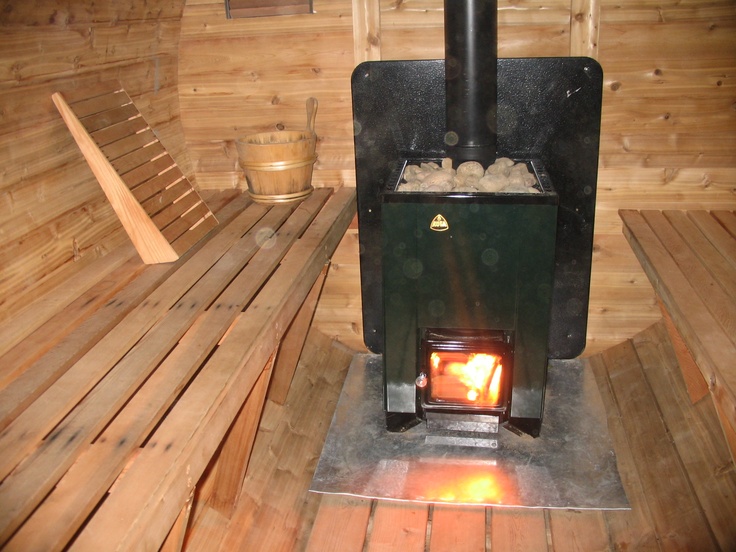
(102, 102)
(712, 348)
(141, 174)
(119, 131)
(200, 418)
(676, 513)
(158, 183)
(517, 530)
(703, 451)
(189, 238)
(458, 529)
(232, 459)
(693, 263)
(714, 255)
(80, 491)
(341, 525)
(137, 158)
(129, 144)
(94, 123)
(632, 530)
(293, 343)
(578, 531)
(697, 387)
(163, 197)
(65, 321)
(398, 526)
(37, 420)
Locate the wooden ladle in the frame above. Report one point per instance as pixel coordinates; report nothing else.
(311, 113)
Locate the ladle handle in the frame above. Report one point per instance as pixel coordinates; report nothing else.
(311, 113)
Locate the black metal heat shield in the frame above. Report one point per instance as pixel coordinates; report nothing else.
(548, 109)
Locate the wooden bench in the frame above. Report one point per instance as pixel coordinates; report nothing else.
(690, 259)
(139, 394)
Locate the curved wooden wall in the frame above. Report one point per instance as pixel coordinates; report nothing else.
(54, 217)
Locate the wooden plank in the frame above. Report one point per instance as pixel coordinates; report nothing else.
(366, 31)
(193, 235)
(119, 131)
(70, 317)
(517, 529)
(197, 423)
(147, 239)
(21, 436)
(232, 459)
(703, 452)
(722, 239)
(585, 20)
(137, 158)
(458, 529)
(110, 100)
(140, 143)
(578, 531)
(692, 264)
(697, 387)
(291, 346)
(38, 377)
(175, 539)
(398, 526)
(714, 255)
(340, 525)
(150, 403)
(96, 122)
(676, 513)
(276, 509)
(632, 530)
(706, 340)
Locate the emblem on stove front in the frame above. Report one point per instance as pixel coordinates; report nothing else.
(439, 224)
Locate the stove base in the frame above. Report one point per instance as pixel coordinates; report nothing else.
(570, 465)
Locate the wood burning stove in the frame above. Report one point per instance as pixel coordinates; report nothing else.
(452, 280)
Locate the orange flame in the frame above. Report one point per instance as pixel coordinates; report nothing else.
(479, 376)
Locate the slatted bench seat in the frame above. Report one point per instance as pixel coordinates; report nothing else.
(141, 394)
(690, 259)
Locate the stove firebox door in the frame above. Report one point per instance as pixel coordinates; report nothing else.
(468, 262)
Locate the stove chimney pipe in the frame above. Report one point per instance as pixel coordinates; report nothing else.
(470, 80)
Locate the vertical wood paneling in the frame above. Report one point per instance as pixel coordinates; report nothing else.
(239, 77)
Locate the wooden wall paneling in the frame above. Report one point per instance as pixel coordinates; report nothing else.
(54, 217)
(366, 30)
(254, 75)
(584, 25)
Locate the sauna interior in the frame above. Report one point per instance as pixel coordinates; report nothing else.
(202, 80)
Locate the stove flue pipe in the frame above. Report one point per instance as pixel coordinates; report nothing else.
(471, 57)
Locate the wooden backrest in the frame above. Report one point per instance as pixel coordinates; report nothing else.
(159, 208)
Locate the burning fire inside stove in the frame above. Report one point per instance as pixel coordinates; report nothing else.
(469, 379)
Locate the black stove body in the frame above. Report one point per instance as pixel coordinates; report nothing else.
(511, 274)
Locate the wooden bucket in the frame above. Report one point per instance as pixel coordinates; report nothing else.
(278, 165)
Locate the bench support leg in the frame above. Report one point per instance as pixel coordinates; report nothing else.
(175, 539)
(231, 464)
(292, 343)
(697, 387)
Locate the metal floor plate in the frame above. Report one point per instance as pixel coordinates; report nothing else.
(570, 465)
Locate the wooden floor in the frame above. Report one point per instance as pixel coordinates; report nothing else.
(672, 456)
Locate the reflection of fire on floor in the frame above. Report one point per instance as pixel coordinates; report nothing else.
(570, 465)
